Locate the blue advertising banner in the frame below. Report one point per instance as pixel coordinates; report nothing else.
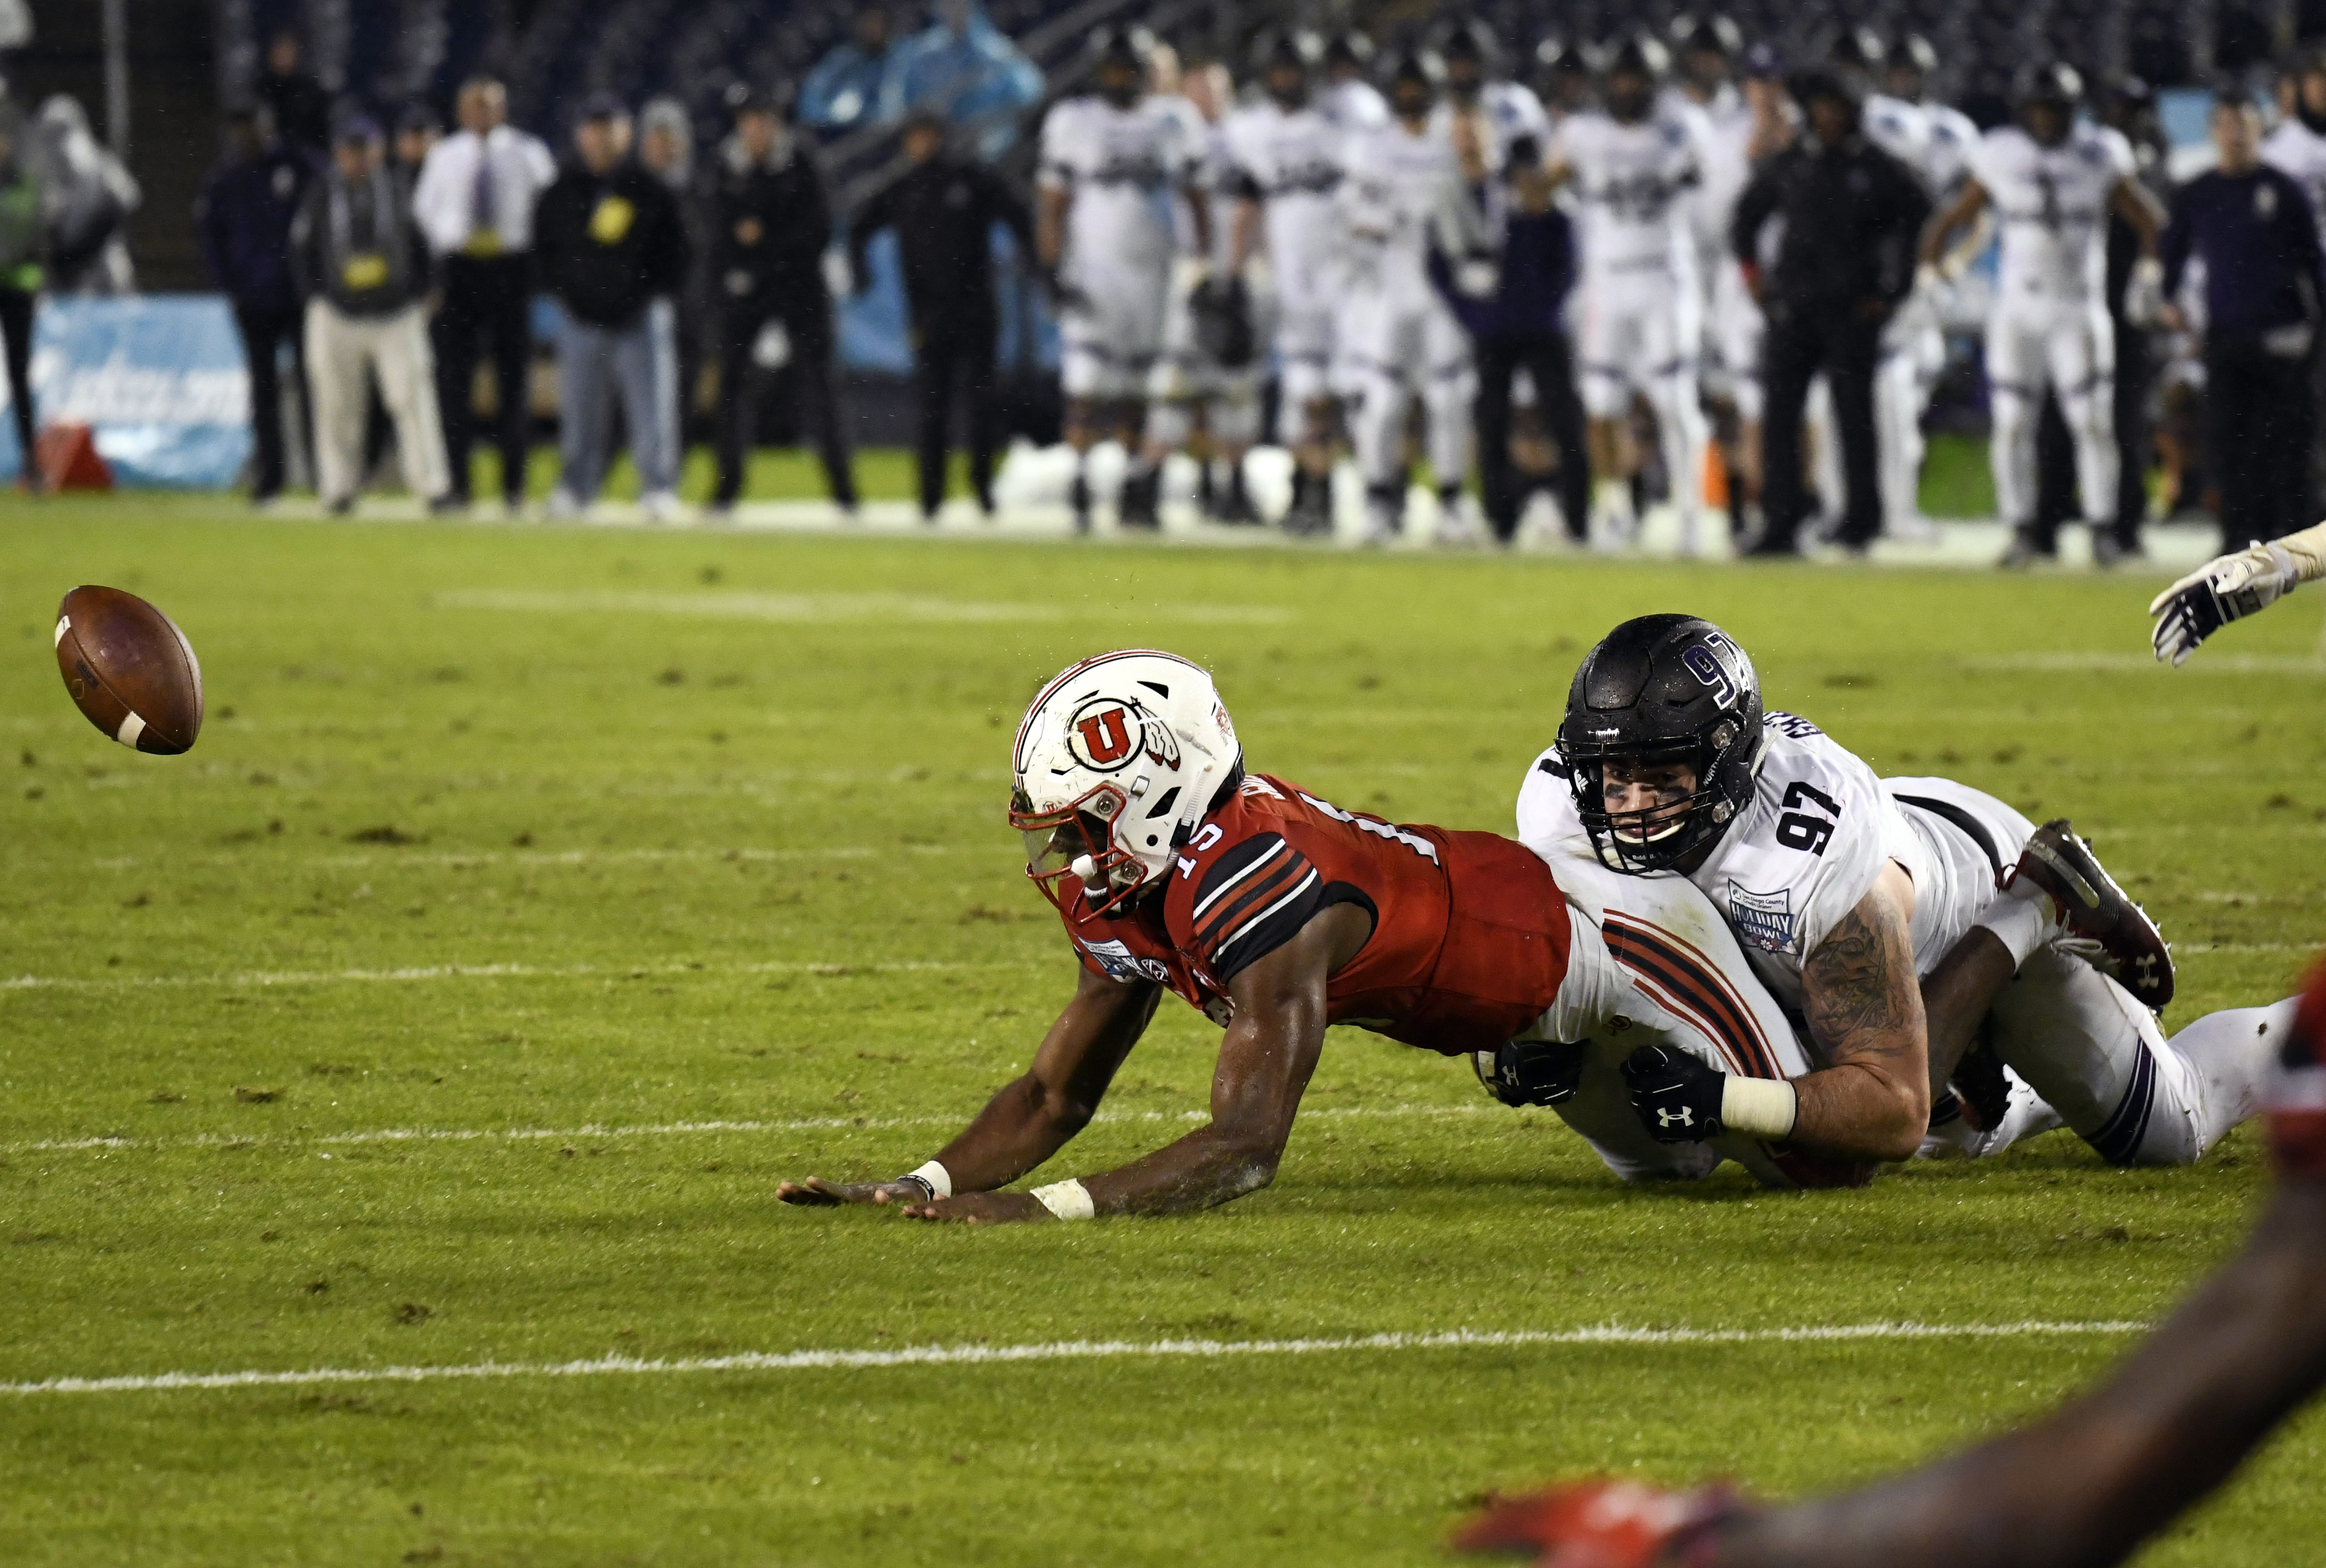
(159, 378)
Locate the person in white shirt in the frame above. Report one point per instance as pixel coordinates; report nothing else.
(1114, 166)
(1402, 191)
(1283, 168)
(1632, 169)
(474, 203)
(2053, 181)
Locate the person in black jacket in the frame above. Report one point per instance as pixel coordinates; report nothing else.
(1852, 215)
(243, 218)
(612, 247)
(364, 269)
(770, 223)
(301, 108)
(1519, 326)
(944, 209)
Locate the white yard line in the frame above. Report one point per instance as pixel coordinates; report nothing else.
(418, 973)
(1074, 1350)
(600, 1132)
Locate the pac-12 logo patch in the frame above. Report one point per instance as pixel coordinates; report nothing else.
(1121, 964)
(1764, 919)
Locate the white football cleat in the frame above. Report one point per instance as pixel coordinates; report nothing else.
(664, 508)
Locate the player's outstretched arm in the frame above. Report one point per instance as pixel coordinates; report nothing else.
(1864, 1009)
(1266, 1057)
(2088, 1483)
(1033, 1116)
(1969, 203)
(2232, 587)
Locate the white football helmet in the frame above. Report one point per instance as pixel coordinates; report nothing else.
(1116, 763)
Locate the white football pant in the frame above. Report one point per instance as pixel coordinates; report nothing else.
(1643, 335)
(1400, 343)
(1111, 336)
(2068, 347)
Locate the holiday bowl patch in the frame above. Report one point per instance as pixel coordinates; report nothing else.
(1764, 919)
(1121, 964)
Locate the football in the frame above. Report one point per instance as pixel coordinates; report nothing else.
(130, 669)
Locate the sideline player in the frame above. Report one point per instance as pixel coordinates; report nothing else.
(1402, 186)
(1498, 111)
(1111, 166)
(2052, 179)
(2085, 1485)
(1843, 888)
(1277, 914)
(1630, 167)
(2229, 587)
(1284, 165)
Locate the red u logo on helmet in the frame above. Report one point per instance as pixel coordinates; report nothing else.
(1105, 737)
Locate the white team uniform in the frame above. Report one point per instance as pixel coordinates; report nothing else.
(1820, 830)
(1653, 963)
(1733, 324)
(1183, 371)
(1639, 301)
(1122, 169)
(2050, 324)
(1290, 163)
(1506, 111)
(1355, 105)
(2299, 153)
(1401, 192)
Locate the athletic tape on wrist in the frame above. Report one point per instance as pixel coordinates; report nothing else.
(939, 1178)
(1067, 1199)
(1761, 1107)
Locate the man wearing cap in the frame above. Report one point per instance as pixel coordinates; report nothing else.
(944, 209)
(613, 250)
(770, 221)
(364, 269)
(475, 203)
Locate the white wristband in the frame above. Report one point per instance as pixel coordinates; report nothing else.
(1761, 1107)
(1067, 1200)
(939, 1178)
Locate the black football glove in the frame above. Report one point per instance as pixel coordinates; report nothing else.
(1676, 1095)
(1530, 1071)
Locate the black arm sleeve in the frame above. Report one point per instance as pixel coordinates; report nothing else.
(1752, 209)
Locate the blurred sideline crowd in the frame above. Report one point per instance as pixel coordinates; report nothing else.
(1563, 285)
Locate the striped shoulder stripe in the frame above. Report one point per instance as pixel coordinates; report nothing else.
(1233, 867)
(1259, 890)
(1697, 987)
(1222, 963)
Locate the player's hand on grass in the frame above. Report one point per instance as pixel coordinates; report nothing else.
(2225, 588)
(1605, 1524)
(815, 1192)
(981, 1209)
(1676, 1095)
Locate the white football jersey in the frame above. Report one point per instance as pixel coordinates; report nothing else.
(2051, 204)
(1399, 188)
(1290, 163)
(1632, 185)
(1954, 137)
(2299, 153)
(1124, 169)
(1355, 105)
(1506, 111)
(1723, 129)
(1800, 857)
(1932, 140)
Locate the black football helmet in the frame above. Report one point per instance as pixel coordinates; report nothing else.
(1708, 34)
(1281, 50)
(1128, 52)
(1911, 52)
(1415, 67)
(1662, 689)
(2047, 81)
(1858, 48)
(1349, 50)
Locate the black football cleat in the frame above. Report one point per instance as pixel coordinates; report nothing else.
(2091, 905)
(1141, 505)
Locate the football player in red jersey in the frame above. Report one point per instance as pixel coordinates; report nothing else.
(2086, 1484)
(1277, 914)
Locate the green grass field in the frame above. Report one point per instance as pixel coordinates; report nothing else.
(542, 849)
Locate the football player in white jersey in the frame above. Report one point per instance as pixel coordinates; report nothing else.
(1401, 192)
(1562, 78)
(1113, 166)
(1348, 98)
(2297, 145)
(1843, 888)
(2053, 181)
(1632, 169)
(1283, 167)
(1499, 111)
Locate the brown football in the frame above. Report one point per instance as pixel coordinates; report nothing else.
(130, 669)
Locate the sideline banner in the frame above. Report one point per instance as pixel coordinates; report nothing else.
(159, 378)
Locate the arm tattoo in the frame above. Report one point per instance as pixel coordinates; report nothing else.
(1849, 992)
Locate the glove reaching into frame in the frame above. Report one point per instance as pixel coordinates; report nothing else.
(1221, 307)
(1521, 1073)
(2225, 588)
(1676, 1097)
(1598, 1524)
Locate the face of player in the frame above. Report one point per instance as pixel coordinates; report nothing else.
(2313, 93)
(1832, 119)
(1288, 85)
(1904, 82)
(1629, 94)
(1410, 99)
(1662, 791)
(1464, 79)
(1119, 83)
(2047, 122)
(1706, 69)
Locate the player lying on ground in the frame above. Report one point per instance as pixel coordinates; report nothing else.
(2084, 1486)
(1278, 913)
(2229, 587)
(1843, 889)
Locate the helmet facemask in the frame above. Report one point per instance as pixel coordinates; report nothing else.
(1660, 836)
(1077, 840)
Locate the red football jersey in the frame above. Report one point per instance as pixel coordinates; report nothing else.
(2297, 1098)
(1470, 934)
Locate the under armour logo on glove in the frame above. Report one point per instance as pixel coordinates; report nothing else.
(1676, 1097)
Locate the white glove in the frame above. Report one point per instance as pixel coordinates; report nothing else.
(838, 275)
(1188, 273)
(2144, 292)
(2225, 588)
(1929, 281)
(1477, 278)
